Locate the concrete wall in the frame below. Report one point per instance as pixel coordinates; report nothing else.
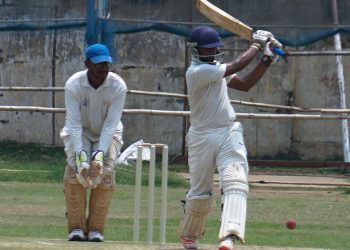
(156, 61)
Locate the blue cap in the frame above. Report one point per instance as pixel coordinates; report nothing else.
(98, 53)
(205, 37)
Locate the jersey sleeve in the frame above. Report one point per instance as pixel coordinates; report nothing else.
(113, 117)
(229, 78)
(73, 122)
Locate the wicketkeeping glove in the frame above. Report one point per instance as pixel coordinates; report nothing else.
(82, 168)
(96, 169)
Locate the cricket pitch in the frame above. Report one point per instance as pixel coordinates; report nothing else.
(59, 244)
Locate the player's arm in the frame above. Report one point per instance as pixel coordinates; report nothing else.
(260, 39)
(73, 121)
(241, 62)
(110, 125)
(246, 82)
(114, 114)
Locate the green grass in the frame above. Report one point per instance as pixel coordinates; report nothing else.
(32, 205)
(35, 163)
(345, 190)
(37, 210)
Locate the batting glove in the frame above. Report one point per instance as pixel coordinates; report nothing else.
(275, 43)
(82, 168)
(261, 38)
(96, 169)
(270, 55)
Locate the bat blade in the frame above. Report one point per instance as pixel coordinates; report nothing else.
(224, 19)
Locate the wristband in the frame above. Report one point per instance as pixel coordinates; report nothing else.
(257, 46)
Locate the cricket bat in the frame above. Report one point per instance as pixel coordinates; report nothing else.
(230, 23)
(224, 19)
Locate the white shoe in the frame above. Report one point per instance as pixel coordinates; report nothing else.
(189, 243)
(227, 244)
(95, 236)
(76, 235)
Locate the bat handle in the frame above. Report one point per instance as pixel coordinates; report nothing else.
(280, 52)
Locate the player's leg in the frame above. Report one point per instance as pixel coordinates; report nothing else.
(199, 199)
(75, 196)
(192, 227)
(233, 170)
(101, 196)
(100, 200)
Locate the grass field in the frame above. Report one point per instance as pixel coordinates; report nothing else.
(32, 207)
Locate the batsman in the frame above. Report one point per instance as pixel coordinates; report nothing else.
(215, 138)
(92, 138)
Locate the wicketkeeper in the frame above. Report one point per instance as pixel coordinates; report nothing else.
(92, 138)
(215, 139)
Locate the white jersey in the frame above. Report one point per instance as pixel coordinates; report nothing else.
(208, 98)
(93, 112)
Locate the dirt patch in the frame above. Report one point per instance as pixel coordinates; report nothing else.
(299, 180)
(291, 180)
(292, 193)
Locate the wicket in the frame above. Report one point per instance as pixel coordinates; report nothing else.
(151, 180)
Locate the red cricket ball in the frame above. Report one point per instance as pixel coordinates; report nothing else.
(291, 224)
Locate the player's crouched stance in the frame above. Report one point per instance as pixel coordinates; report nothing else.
(215, 139)
(95, 177)
(92, 138)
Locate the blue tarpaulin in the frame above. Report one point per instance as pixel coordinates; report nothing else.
(104, 31)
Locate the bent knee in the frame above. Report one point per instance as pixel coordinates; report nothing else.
(70, 175)
(234, 177)
(108, 180)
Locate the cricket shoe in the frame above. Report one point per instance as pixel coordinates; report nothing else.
(189, 243)
(76, 235)
(95, 236)
(228, 243)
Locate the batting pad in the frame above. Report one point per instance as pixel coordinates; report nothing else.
(234, 177)
(196, 212)
(75, 195)
(235, 190)
(100, 200)
(234, 215)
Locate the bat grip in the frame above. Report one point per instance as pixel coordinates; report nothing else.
(279, 51)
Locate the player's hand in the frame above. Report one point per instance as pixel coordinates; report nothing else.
(261, 38)
(269, 55)
(268, 50)
(275, 43)
(82, 168)
(96, 169)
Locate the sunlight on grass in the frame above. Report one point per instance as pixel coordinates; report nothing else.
(32, 205)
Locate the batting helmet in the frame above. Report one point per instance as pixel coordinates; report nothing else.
(205, 37)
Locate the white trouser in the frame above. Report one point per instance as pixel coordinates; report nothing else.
(213, 148)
